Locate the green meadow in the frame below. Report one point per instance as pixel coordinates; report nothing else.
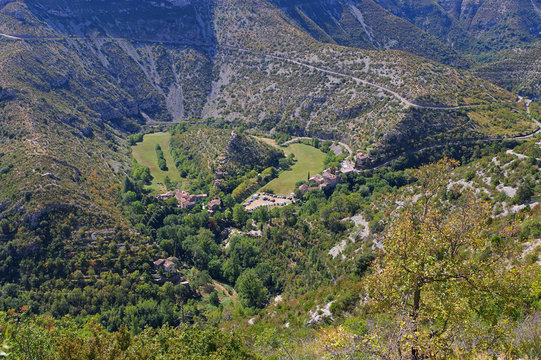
(145, 154)
(309, 160)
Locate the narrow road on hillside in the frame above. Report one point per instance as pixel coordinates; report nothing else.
(405, 101)
(11, 37)
(59, 38)
(402, 99)
(393, 93)
(460, 142)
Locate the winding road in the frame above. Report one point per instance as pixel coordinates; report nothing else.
(11, 37)
(459, 142)
(403, 100)
(393, 93)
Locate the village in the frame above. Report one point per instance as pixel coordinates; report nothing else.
(325, 181)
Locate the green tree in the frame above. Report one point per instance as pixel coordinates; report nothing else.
(284, 163)
(251, 291)
(239, 215)
(129, 197)
(441, 277)
(141, 173)
(524, 192)
(214, 299)
(127, 185)
(162, 164)
(4, 226)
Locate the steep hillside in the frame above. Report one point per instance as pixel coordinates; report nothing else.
(499, 23)
(442, 30)
(520, 72)
(180, 21)
(367, 25)
(473, 26)
(67, 104)
(310, 88)
(413, 254)
(68, 90)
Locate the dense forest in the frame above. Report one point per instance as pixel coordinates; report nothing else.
(450, 271)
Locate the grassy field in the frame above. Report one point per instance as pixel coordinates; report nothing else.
(145, 154)
(309, 160)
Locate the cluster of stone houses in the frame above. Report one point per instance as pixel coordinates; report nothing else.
(188, 201)
(168, 195)
(185, 200)
(214, 205)
(168, 265)
(324, 181)
(166, 270)
(328, 180)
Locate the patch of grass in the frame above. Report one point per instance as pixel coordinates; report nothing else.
(145, 154)
(309, 160)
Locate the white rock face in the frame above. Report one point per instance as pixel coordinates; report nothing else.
(320, 313)
(338, 249)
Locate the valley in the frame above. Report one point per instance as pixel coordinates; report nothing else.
(270, 179)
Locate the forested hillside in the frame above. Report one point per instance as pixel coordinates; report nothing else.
(238, 179)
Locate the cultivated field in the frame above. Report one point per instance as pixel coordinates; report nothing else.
(309, 160)
(145, 154)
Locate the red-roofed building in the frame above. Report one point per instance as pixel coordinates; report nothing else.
(303, 189)
(166, 196)
(188, 201)
(214, 205)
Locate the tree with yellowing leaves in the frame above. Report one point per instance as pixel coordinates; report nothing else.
(443, 282)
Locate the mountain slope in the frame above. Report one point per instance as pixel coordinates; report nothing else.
(498, 24)
(442, 30)
(306, 87)
(520, 72)
(71, 93)
(367, 25)
(67, 105)
(181, 21)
